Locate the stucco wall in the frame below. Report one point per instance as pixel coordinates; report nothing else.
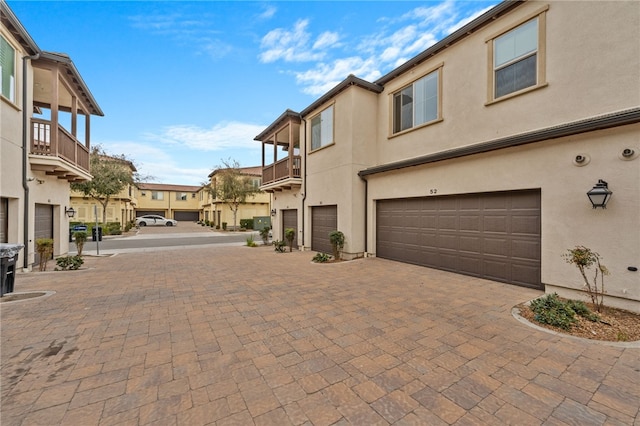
(591, 69)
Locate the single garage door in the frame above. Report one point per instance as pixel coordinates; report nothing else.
(290, 220)
(324, 219)
(43, 225)
(489, 235)
(186, 216)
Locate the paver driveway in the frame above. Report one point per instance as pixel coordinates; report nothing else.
(236, 335)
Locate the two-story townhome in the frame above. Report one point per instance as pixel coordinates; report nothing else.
(179, 202)
(45, 110)
(218, 212)
(476, 156)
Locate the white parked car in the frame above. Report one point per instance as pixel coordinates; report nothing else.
(154, 220)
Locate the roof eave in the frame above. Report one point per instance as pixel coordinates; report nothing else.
(351, 80)
(15, 26)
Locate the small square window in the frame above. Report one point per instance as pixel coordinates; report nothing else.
(417, 103)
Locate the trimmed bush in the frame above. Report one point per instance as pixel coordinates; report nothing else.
(246, 223)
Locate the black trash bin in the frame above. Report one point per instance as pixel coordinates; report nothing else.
(8, 257)
(96, 233)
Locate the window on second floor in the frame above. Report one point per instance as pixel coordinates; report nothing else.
(8, 70)
(322, 129)
(181, 196)
(157, 195)
(517, 58)
(417, 103)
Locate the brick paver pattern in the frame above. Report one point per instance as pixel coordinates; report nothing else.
(242, 336)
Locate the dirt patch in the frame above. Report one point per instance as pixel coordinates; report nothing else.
(615, 325)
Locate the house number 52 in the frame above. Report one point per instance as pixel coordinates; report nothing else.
(433, 191)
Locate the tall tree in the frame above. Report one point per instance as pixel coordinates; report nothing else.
(231, 186)
(111, 175)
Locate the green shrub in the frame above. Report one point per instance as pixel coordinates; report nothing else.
(264, 234)
(290, 235)
(554, 311)
(224, 226)
(80, 238)
(250, 242)
(337, 243)
(279, 245)
(69, 263)
(321, 258)
(44, 248)
(246, 223)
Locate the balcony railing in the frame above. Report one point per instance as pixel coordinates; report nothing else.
(280, 170)
(67, 146)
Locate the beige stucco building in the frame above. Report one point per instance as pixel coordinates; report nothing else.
(45, 110)
(476, 155)
(217, 212)
(179, 202)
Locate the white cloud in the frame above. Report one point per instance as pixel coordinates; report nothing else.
(225, 135)
(396, 41)
(268, 12)
(326, 39)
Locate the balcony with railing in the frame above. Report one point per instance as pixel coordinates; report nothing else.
(59, 154)
(283, 139)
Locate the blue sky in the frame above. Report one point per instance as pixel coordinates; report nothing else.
(185, 85)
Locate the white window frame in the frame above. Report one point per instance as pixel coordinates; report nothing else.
(326, 122)
(435, 72)
(11, 84)
(181, 196)
(539, 53)
(157, 195)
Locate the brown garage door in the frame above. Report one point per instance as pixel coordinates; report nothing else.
(290, 220)
(186, 216)
(490, 235)
(43, 225)
(324, 219)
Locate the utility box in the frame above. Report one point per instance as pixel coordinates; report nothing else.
(261, 222)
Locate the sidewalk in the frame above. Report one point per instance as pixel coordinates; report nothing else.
(235, 335)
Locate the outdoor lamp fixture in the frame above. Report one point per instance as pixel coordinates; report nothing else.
(273, 212)
(600, 194)
(70, 212)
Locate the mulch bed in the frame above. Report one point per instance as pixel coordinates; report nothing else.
(616, 325)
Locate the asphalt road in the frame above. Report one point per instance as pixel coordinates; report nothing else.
(186, 234)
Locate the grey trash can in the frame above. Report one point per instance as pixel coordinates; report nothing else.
(8, 257)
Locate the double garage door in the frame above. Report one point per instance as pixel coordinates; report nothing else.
(490, 235)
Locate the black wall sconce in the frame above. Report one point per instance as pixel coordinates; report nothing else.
(273, 212)
(70, 212)
(600, 194)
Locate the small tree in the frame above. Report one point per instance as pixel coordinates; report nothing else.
(231, 186)
(44, 248)
(290, 235)
(337, 243)
(584, 258)
(81, 238)
(111, 175)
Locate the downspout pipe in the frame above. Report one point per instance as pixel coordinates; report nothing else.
(366, 212)
(304, 180)
(25, 156)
